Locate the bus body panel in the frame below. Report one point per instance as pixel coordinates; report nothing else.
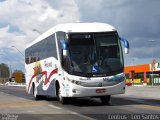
(76, 86)
(43, 74)
(92, 91)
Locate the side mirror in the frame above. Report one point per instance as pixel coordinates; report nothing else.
(65, 58)
(126, 44)
(64, 46)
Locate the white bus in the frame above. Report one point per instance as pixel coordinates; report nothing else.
(76, 60)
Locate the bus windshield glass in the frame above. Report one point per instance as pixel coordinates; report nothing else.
(95, 54)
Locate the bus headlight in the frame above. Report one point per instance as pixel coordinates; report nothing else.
(75, 82)
(75, 91)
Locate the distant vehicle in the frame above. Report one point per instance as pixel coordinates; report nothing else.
(76, 60)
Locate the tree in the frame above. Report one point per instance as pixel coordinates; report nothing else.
(4, 71)
(18, 76)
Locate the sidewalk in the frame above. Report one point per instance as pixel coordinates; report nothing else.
(14, 84)
(147, 92)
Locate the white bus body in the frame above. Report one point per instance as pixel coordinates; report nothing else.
(76, 60)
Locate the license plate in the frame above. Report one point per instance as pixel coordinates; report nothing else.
(100, 90)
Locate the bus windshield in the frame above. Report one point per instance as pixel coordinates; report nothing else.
(95, 54)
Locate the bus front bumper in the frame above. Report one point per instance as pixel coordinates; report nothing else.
(80, 91)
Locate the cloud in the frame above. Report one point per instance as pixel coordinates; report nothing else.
(20, 17)
(136, 20)
(27, 15)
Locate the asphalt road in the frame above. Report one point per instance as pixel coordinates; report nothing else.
(16, 104)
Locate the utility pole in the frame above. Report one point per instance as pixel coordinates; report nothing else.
(35, 30)
(152, 78)
(18, 50)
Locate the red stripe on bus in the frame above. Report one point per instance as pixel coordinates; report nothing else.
(30, 82)
(46, 79)
(52, 73)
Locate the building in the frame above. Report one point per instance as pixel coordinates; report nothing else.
(148, 74)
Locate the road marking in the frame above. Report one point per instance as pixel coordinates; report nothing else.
(55, 107)
(71, 112)
(31, 111)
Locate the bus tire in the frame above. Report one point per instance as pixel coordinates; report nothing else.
(60, 98)
(105, 99)
(36, 97)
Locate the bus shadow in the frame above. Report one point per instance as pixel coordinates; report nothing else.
(118, 101)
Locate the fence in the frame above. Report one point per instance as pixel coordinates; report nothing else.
(139, 81)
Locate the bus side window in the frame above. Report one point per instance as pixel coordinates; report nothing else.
(65, 62)
(34, 59)
(27, 60)
(31, 60)
(37, 59)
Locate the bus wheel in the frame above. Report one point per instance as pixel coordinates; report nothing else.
(105, 99)
(60, 98)
(37, 97)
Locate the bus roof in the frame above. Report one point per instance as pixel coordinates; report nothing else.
(75, 28)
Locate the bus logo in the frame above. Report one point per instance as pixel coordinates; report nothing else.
(95, 69)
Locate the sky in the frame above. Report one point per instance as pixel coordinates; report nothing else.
(136, 20)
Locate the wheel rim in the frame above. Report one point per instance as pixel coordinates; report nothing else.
(35, 92)
(59, 95)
